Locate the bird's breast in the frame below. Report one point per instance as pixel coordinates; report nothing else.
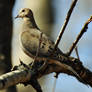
(30, 41)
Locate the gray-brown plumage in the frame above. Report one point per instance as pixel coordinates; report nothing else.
(30, 38)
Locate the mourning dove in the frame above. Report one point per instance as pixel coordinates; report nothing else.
(30, 36)
(30, 39)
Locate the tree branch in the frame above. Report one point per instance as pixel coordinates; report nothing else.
(27, 74)
(24, 73)
(77, 54)
(84, 29)
(65, 23)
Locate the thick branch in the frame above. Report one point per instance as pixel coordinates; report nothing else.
(51, 65)
(13, 78)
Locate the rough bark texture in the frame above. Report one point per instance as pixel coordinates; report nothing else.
(27, 75)
(6, 7)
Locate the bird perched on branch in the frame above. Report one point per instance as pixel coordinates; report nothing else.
(30, 36)
(30, 39)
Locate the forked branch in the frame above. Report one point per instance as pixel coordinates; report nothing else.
(26, 75)
(84, 29)
(65, 23)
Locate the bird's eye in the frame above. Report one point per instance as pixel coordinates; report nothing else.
(23, 10)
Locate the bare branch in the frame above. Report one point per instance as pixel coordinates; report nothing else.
(65, 23)
(24, 75)
(84, 29)
(76, 50)
(73, 4)
(38, 49)
(13, 78)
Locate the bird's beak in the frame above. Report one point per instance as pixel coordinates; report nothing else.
(17, 17)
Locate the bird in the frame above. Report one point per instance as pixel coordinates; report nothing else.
(30, 36)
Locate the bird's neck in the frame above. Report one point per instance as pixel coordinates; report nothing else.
(28, 22)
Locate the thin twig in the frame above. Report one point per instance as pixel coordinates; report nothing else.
(76, 50)
(84, 29)
(34, 63)
(38, 49)
(65, 23)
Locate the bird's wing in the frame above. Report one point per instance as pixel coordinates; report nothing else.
(30, 43)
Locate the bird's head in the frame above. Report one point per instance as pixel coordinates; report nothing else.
(25, 13)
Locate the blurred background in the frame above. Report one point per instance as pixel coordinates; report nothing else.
(50, 15)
